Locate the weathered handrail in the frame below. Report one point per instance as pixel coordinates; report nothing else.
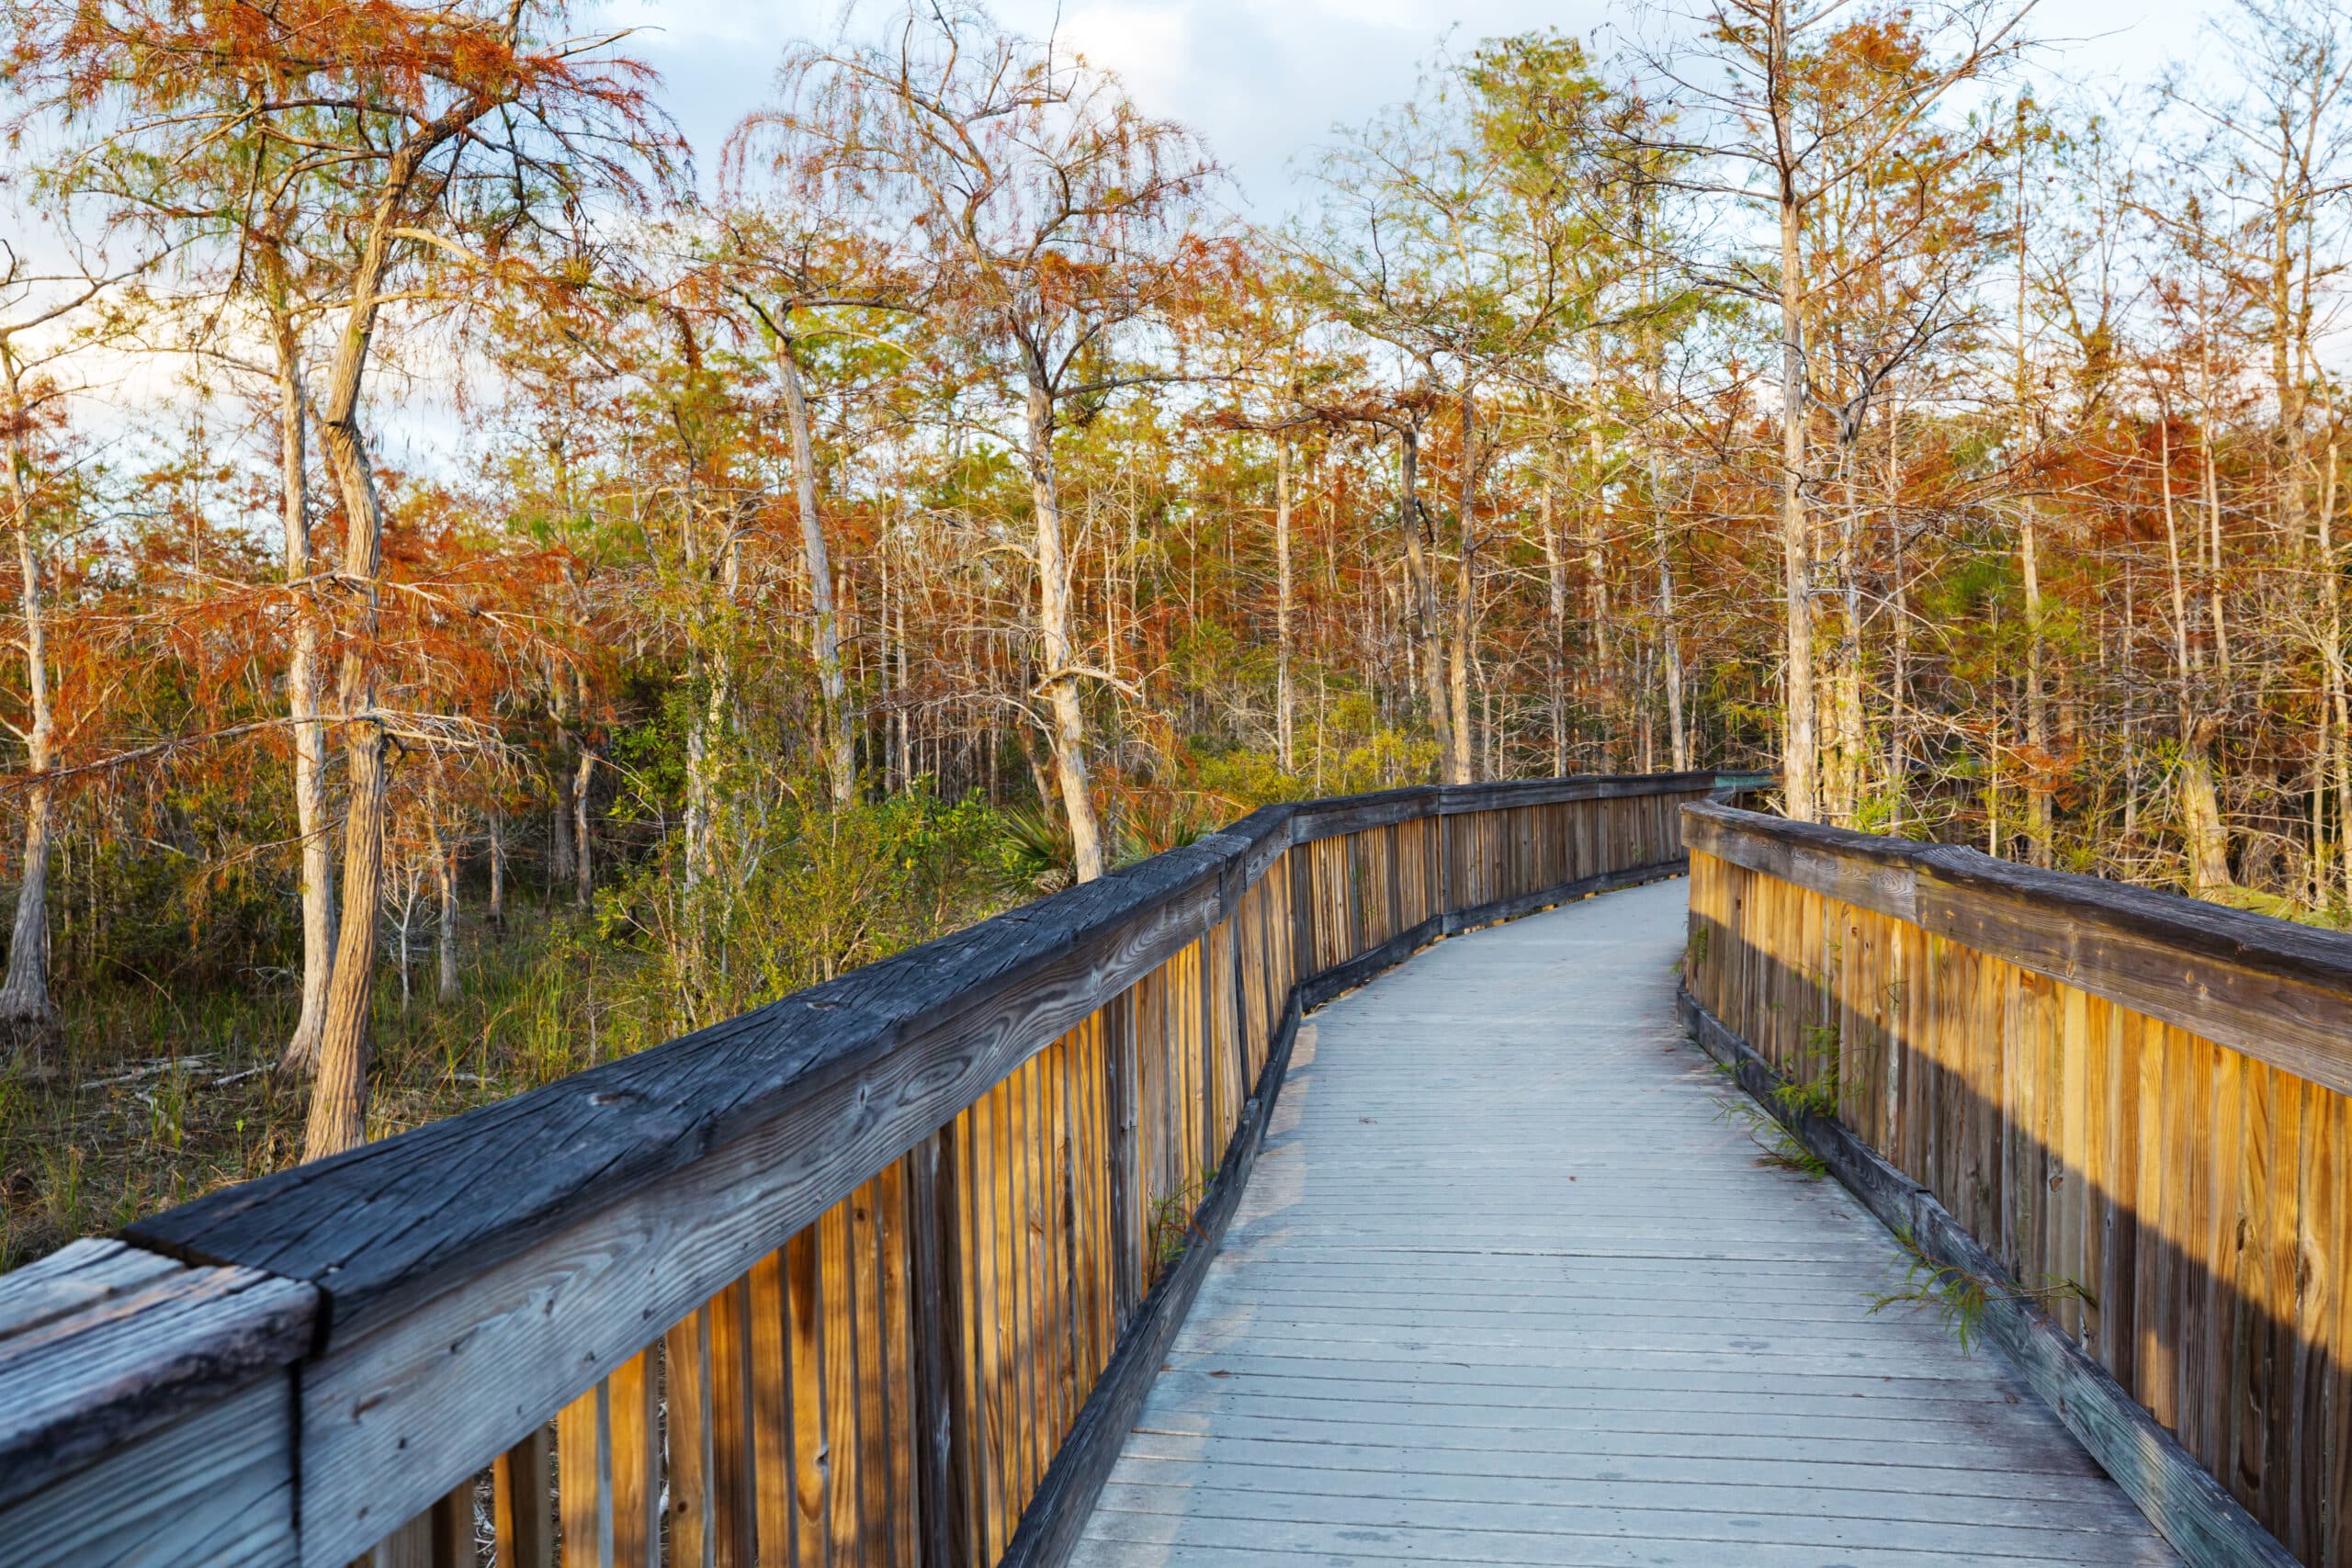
(873, 1274)
(2124, 1112)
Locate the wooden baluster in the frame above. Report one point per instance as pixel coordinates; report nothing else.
(868, 1406)
(803, 1365)
(685, 1382)
(735, 1470)
(1119, 1094)
(634, 1439)
(903, 1436)
(441, 1537)
(770, 1411)
(943, 1448)
(522, 1504)
(582, 1490)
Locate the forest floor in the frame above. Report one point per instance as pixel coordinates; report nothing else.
(146, 1099)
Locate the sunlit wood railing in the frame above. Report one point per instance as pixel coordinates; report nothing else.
(874, 1275)
(2120, 1115)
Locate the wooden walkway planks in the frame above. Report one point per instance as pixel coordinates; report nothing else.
(1506, 1287)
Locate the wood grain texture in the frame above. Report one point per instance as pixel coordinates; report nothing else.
(2164, 1202)
(1057, 1514)
(214, 1488)
(2277, 991)
(101, 1342)
(2192, 1510)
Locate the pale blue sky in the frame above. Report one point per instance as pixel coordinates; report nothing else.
(1264, 80)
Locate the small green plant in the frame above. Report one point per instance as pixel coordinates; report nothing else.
(1779, 1148)
(1173, 1227)
(1961, 1297)
(167, 1107)
(1819, 1097)
(1035, 852)
(1694, 950)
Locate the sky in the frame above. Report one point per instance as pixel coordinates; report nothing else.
(1266, 80)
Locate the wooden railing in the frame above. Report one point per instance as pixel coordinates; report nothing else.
(2117, 1118)
(874, 1275)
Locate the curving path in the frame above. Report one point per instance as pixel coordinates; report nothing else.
(1507, 1287)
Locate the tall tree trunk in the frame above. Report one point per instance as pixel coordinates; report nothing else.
(840, 760)
(560, 812)
(338, 1118)
(1465, 597)
(1596, 571)
(2038, 815)
(1670, 629)
(1800, 748)
(1430, 636)
(1555, 622)
(496, 913)
(1670, 640)
(583, 871)
(1899, 697)
(1059, 684)
(2203, 832)
(1284, 729)
(444, 888)
(24, 1007)
(2339, 699)
(302, 684)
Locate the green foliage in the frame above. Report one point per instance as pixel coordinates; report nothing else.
(790, 894)
(1173, 1226)
(1777, 1147)
(1960, 1298)
(1034, 854)
(1818, 1094)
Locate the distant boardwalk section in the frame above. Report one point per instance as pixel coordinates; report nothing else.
(1509, 1287)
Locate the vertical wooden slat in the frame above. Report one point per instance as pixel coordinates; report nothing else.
(1016, 1256)
(686, 1387)
(2214, 1317)
(2119, 1260)
(970, 1409)
(905, 1435)
(771, 1412)
(734, 1469)
(870, 1397)
(583, 1489)
(523, 1506)
(941, 1453)
(2275, 1393)
(837, 1295)
(990, 1235)
(441, 1537)
(804, 1369)
(2258, 1203)
(633, 1439)
(2333, 1467)
(2313, 1326)
(2163, 1182)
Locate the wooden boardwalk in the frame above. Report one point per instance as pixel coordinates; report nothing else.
(1506, 1287)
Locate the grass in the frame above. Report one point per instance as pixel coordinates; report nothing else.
(148, 1099)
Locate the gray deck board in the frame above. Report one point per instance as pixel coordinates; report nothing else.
(1506, 1287)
